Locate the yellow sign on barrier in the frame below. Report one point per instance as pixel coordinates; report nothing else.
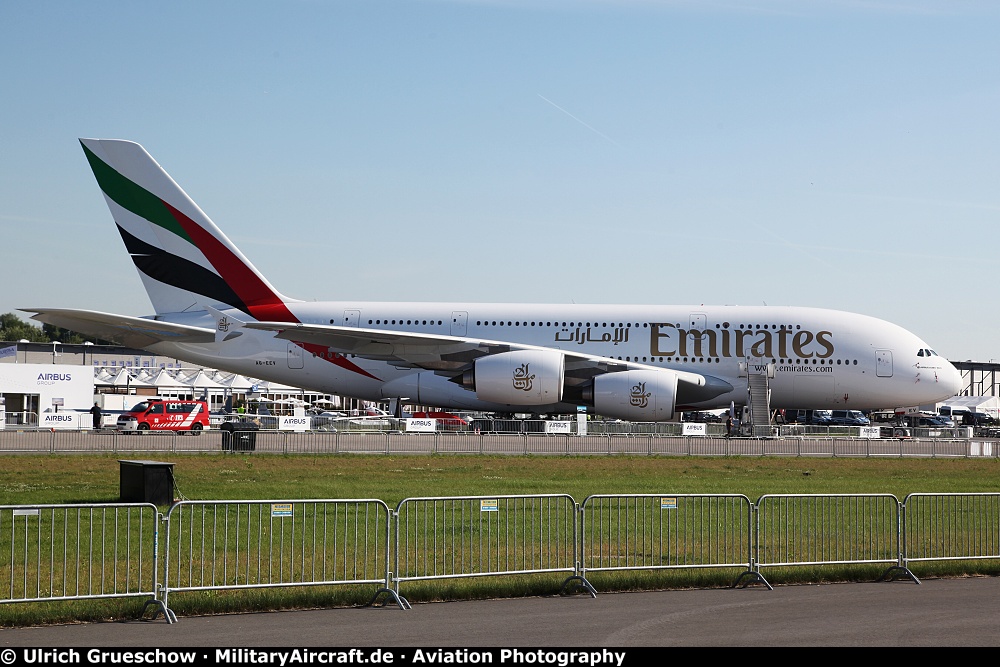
(489, 505)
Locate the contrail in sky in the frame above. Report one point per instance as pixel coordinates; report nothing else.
(580, 121)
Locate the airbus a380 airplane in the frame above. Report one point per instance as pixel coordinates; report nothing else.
(641, 363)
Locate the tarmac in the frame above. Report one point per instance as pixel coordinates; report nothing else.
(961, 612)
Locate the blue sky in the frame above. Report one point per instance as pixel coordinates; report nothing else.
(834, 154)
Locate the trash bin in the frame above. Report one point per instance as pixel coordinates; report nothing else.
(240, 436)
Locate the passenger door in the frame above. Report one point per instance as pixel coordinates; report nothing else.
(883, 363)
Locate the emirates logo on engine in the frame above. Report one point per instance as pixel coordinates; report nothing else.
(639, 397)
(523, 378)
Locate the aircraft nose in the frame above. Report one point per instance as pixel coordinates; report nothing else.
(952, 379)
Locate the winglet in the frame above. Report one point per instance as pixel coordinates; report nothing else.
(227, 327)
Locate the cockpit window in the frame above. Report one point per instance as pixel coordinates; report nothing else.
(920, 353)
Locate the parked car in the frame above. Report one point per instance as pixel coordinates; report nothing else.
(703, 417)
(977, 419)
(157, 414)
(814, 417)
(848, 418)
(928, 421)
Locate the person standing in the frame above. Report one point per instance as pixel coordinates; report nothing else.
(96, 412)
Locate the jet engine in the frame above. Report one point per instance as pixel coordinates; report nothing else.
(636, 395)
(522, 377)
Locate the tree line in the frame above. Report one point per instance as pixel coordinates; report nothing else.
(14, 329)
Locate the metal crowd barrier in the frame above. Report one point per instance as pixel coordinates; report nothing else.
(648, 532)
(475, 536)
(793, 529)
(276, 543)
(951, 526)
(68, 552)
(396, 442)
(21, 418)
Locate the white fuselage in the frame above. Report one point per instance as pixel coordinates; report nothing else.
(816, 358)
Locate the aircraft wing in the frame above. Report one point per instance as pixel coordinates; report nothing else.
(404, 349)
(450, 355)
(135, 332)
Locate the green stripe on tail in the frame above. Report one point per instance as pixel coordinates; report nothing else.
(132, 197)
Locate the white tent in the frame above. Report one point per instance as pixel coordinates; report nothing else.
(165, 380)
(200, 380)
(237, 382)
(989, 405)
(265, 387)
(124, 378)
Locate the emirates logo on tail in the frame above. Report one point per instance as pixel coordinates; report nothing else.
(639, 397)
(522, 378)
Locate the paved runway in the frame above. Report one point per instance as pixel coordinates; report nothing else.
(938, 612)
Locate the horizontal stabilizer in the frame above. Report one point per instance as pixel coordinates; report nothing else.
(135, 332)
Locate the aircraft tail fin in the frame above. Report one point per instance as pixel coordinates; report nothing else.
(184, 260)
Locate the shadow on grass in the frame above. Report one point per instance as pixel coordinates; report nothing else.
(198, 603)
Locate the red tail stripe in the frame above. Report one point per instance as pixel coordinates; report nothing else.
(263, 303)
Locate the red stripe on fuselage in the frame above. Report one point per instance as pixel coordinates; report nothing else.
(338, 359)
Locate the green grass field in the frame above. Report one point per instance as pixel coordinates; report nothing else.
(63, 479)
(46, 478)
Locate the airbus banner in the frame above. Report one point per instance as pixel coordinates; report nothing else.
(294, 423)
(421, 425)
(558, 427)
(693, 428)
(62, 420)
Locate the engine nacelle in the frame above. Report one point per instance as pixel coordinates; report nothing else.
(428, 388)
(523, 377)
(645, 396)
